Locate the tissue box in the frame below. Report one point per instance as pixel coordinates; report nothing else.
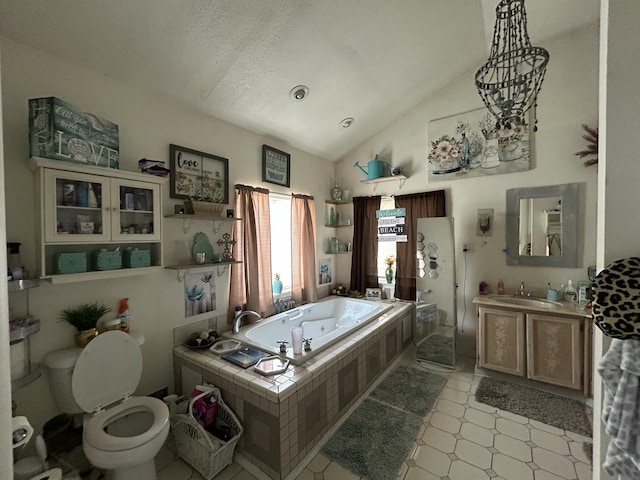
(205, 409)
(106, 260)
(136, 258)
(60, 131)
(71, 262)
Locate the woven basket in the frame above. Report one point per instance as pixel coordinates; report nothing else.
(204, 452)
(203, 208)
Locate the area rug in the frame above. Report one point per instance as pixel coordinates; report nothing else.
(436, 349)
(555, 410)
(376, 438)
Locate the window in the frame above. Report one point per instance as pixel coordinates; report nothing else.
(280, 214)
(385, 248)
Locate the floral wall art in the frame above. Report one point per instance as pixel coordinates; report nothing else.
(469, 145)
(199, 293)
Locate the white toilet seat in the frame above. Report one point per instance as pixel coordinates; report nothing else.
(94, 428)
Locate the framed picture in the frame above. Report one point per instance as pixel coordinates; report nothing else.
(276, 166)
(373, 294)
(198, 175)
(325, 271)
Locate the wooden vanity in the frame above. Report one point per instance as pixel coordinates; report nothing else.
(546, 342)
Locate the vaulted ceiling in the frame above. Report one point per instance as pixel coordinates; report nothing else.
(237, 60)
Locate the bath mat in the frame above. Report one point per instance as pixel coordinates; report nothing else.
(410, 389)
(437, 349)
(374, 441)
(561, 412)
(376, 438)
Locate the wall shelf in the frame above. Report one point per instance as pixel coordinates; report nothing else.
(197, 266)
(398, 178)
(188, 219)
(100, 275)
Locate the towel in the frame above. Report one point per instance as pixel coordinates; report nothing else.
(620, 372)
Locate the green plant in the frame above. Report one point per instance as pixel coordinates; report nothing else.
(84, 317)
(592, 145)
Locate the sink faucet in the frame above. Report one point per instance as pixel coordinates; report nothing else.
(522, 292)
(237, 323)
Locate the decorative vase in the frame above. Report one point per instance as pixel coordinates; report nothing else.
(277, 285)
(83, 337)
(490, 158)
(466, 152)
(336, 193)
(389, 274)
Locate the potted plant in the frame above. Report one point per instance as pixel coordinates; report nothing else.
(277, 284)
(85, 318)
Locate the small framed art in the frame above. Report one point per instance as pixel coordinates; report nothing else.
(198, 175)
(373, 294)
(276, 166)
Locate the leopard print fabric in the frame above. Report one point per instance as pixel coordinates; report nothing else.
(616, 299)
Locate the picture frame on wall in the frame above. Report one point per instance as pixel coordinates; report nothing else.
(276, 166)
(198, 175)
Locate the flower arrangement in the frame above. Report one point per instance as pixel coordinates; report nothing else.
(390, 260)
(445, 151)
(511, 133)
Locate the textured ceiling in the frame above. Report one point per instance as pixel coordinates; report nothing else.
(238, 59)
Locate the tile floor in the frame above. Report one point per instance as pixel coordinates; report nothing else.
(460, 439)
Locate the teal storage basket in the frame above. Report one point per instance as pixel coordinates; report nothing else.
(136, 258)
(71, 262)
(106, 260)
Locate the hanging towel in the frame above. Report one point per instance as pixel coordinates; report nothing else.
(620, 372)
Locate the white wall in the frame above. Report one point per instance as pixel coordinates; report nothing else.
(148, 124)
(567, 100)
(618, 168)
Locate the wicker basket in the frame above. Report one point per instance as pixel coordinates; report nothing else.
(204, 452)
(203, 208)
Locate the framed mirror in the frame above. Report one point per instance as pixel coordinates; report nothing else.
(542, 226)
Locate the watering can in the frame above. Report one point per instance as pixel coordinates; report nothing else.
(375, 168)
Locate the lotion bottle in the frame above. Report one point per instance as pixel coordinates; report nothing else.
(570, 293)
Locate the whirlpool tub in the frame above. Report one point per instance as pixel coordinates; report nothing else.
(325, 322)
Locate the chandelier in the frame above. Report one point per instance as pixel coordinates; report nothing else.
(511, 78)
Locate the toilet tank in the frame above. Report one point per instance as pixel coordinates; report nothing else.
(58, 367)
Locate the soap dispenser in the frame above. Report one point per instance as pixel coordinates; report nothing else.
(570, 293)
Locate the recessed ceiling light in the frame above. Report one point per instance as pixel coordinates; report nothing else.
(347, 122)
(299, 93)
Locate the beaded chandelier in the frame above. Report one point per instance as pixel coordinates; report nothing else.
(511, 78)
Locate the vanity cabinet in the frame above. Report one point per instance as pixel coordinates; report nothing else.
(501, 340)
(549, 347)
(85, 208)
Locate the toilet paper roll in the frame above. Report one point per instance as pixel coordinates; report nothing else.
(53, 474)
(21, 431)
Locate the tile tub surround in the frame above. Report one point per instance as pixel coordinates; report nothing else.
(285, 416)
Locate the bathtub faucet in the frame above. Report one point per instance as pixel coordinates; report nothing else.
(237, 323)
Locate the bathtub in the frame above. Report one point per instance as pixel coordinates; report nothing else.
(325, 322)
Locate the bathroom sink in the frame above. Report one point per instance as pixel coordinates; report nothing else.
(529, 302)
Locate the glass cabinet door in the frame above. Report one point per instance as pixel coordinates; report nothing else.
(75, 207)
(135, 210)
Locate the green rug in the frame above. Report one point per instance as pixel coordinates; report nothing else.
(375, 439)
(437, 349)
(561, 412)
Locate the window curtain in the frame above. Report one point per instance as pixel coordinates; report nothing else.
(303, 249)
(364, 260)
(417, 205)
(250, 283)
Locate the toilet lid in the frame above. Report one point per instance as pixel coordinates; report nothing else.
(108, 369)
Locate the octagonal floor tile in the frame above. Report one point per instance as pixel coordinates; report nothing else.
(510, 468)
(554, 463)
(477, 434)
(513, 447)
(439, 439)
(513, 429)
(431, 460)
(473, 453)
(463, 471)
(549, 441)
(445, 422)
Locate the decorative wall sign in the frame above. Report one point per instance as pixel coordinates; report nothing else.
(276, 166)
(484, 226)
(468, 145)
(391, 225)
(198, 175)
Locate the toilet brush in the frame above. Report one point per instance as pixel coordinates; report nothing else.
(41, 450)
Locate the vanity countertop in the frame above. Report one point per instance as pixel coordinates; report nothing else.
(555, 308)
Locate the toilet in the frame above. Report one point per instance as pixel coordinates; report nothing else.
(121, 433)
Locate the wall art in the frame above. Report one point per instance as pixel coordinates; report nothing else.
(198, 175)
(326, 271)
(276, 166)
(468, 145)
(199, 293)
